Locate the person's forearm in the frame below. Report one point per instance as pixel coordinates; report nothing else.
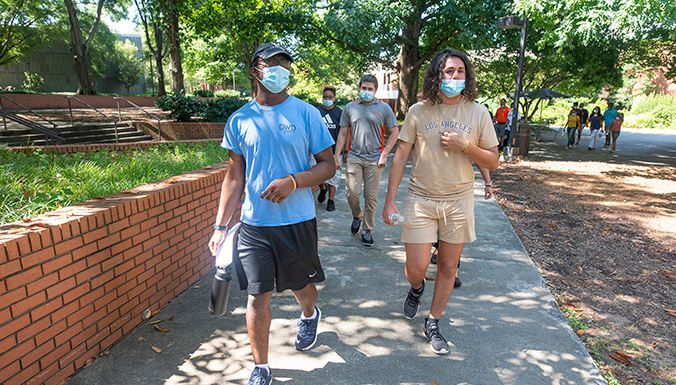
(485, 174)
(396, 172)
(340, 142)
(316, 174)
(231, 195)
(391, 140)
(487, 158)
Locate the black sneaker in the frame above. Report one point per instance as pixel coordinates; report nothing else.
(260, 376)
(433, 258)
(412, 301)
(437, 341)
(367, 238)
(322, 194)
(457, 282)
(307, 332)
(356, 224)
(330, 206)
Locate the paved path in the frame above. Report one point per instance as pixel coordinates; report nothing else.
(637, 147)
(503, 324)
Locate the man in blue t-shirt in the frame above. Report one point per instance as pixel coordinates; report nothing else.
(609, 115)
(270, 140)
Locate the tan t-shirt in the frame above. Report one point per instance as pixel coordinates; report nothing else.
(437, 173)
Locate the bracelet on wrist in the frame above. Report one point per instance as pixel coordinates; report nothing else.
(466, 147)
(489, 184)
(221, 228)
(295, 182)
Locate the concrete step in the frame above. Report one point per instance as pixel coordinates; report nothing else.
(76, 134)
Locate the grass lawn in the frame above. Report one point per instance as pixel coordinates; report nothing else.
(37, 183)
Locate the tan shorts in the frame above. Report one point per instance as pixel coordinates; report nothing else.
(426, 221)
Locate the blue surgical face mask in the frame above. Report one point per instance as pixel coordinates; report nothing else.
(366, 96)
(275, 79)
(327, 102)
(452, 87)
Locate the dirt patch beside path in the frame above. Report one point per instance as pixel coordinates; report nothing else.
(604, 238)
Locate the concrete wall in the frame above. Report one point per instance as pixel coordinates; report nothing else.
(75, 281)
(55, 64)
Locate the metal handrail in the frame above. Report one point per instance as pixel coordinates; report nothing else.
(25, 108)
(91, 107)
(32, 125)
(119, 114)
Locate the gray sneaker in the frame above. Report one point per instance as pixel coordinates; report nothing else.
(367, 238)
(356, 224)
(260, 376)
(437, 341)
(412, 301)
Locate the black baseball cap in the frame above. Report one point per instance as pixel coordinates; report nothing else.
(268, 50)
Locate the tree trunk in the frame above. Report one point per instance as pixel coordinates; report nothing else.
(408, 63)
(161, 89)
(175, 48)
(79, 50)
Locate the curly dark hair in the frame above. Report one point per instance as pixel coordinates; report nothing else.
(434, 74)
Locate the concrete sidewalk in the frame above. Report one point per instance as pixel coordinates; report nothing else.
(503, 324)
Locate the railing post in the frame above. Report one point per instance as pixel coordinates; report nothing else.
(119, 114)
(70, 110)
(4, 121)
(116, 138)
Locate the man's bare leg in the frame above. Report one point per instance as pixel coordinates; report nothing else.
(258, 318)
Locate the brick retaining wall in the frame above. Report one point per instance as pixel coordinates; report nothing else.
(184, 130)
(75, 281)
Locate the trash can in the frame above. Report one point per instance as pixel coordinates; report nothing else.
(523, 138)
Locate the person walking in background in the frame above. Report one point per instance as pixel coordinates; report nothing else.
(269, 140)
(489, 111)
(500, 121)
(443, 135)
(367, 117)
(615, 127)
(595, 123)
(331, 115)
(572, 124)
(583, 113)
(609, 115)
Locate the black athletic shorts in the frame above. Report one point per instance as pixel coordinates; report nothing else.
(286, 254)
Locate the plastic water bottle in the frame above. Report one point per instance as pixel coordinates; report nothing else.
(397, 218)
(220, 288)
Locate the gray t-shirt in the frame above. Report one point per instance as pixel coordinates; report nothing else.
(368, 122)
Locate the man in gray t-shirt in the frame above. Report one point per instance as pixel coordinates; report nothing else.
(366, 120)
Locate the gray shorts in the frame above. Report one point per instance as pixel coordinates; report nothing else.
(500, 129)
(286, 255)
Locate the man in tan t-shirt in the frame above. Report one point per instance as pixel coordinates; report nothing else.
(444, 133)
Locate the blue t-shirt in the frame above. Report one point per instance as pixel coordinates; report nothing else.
(276, 141)
(609, 116)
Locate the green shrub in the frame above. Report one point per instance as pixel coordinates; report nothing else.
(219, 110)
(227, 94)
(204, 93)
(33, 81)
(181, 107)
(652, 111)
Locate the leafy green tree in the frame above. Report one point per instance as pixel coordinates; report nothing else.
(127, 65)
(404, 35)
(25, 26)
(81, 44)
(152, 19)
